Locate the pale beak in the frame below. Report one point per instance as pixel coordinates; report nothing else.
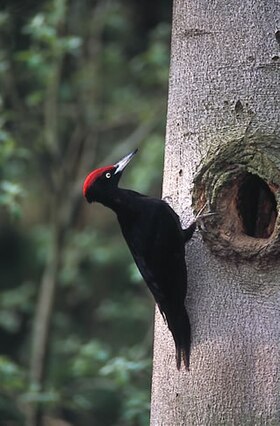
(121, 165)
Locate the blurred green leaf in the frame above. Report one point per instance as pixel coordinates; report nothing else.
(12, 377)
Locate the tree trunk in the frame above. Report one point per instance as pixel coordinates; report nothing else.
(223, 142)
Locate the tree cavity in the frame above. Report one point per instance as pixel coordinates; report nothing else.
(256, 206)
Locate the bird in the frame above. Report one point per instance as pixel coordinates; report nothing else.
(156, 239)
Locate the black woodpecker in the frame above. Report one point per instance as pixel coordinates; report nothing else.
(156, 240)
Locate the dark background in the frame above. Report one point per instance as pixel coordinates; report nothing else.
(82, 83)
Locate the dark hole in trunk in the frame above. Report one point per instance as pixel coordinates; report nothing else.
(257, 207)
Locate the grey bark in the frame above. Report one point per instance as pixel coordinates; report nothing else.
(224, 82)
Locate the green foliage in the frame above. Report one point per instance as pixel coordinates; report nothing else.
(11, 376)
(82, 84)
(11, 192)
(13, 383)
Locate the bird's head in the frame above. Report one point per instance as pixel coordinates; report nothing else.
(104, 179)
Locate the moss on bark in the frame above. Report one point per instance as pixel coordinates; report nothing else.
(218, 182)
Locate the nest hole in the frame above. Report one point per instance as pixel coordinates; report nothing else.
(256, 206)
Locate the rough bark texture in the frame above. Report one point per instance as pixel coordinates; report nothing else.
(224, 87)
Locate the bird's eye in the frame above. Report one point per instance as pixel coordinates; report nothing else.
(108, 175)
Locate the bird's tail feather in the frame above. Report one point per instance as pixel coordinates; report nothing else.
(182, 353)
(179, 326)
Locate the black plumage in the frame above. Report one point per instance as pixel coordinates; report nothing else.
(156, 240)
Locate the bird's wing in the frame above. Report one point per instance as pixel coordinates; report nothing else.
(156, 242)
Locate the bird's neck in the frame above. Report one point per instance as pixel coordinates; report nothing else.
(117, 199)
